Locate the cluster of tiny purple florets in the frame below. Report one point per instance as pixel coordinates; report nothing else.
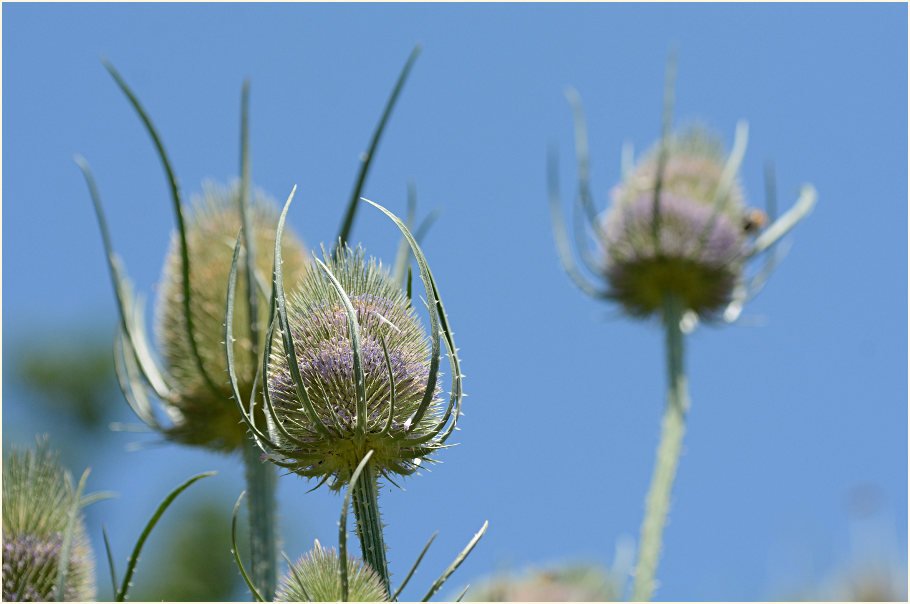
(689, 242)
(324, 350)
(30, 568)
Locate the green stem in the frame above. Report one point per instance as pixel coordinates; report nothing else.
(673, 427)
(261, 484)
(369, 523)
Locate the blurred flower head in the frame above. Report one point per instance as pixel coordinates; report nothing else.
(686, 238)
(38, 495)
(389, 376)
(200, 405)
(579, 582)
(315, 578)
(677, 226)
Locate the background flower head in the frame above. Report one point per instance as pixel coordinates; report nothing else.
(203, 414)
(676, 228)
(38, 495)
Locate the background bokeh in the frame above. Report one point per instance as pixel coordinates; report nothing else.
(793, 481)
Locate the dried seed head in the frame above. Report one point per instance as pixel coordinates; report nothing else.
(37, 497)
(694, 247)
(203, 415)
(315, 578)
(325, 357)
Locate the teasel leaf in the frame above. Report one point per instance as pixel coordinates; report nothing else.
(780, 227)
(367, 158)
(236, 552)
(131, 383)
(666, 124)
(427, 279)
(343, 527)
(456, 563)
(132, 327)
(134, 557)
(356, 348)
(178, 214)
(110, 560)
(249, 241)
(280, 302)
(248, 415)
(727, 179)
(388, 364)
(560, 234)
(414, 566)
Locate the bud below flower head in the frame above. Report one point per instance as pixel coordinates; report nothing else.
(698, 250)
(323, 347)
(203, 415)
(38, 495)
(314, 578)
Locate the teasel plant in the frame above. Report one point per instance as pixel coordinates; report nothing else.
(350, 389)
(46, 552)
(191, 391)
(677, 244)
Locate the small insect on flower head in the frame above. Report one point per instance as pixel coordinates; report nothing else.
(200, 404)
(353, 370)
(754, 221)
(38, 495)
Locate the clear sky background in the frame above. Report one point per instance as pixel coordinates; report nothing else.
(794, 411)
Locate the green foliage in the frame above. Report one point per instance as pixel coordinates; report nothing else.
(173, 574)
(71, 373)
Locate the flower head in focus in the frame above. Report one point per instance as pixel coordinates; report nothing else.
(351, 369)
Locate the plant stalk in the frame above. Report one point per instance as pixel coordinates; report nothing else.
(673, 427)
(369, 523)
(261, 482)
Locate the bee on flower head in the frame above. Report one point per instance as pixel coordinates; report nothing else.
(754, 220)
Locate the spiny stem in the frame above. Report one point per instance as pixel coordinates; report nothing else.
(261, 484)
(369, 523)
(674, 426)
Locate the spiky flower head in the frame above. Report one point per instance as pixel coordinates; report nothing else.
(689, 242)
(38, 495)
(315, 578)
(402, 406)
(201, 407)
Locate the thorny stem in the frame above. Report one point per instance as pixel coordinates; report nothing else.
(261, 484)
(657, 502)
(369, 523)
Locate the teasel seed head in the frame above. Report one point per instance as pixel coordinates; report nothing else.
(202, 414)
(315, 578)
(38, 495)
(688, 242)
(395, 351)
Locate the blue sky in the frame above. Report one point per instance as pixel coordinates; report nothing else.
(792, 411)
